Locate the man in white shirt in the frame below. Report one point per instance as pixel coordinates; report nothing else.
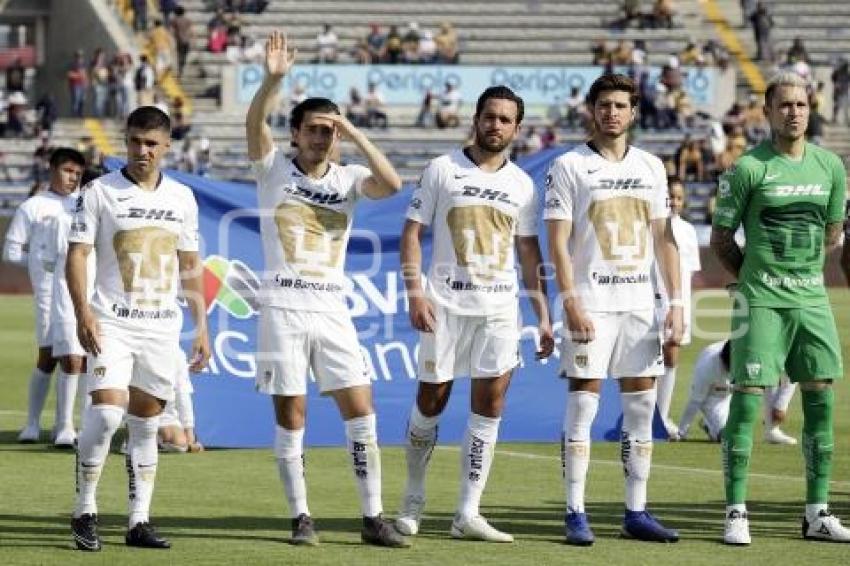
(479, 206)
(143, 228)
(607, 218)
(27, 239)
(327, 43)
(306, 207)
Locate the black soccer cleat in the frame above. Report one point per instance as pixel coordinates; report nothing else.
(144, 535)
(381, 532)
(303, 531)
(84, 529)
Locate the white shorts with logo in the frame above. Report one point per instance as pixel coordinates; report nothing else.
(149, 362)
(483, 346)
(64, 340)
(293, 344)
(627, 344)
(42, 319)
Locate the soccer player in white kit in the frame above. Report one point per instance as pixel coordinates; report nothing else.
(711, 392)
(65, 346)
(306, 205)
(607, 218)
(479, 206)
(686, 241)
(26, 240)
(143, 228)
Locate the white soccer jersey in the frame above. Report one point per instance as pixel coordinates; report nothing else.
(136, 235)
(474, 215)
(56, 255)
(31, 226)
(611, 206)
(305, 224)
(710, 390)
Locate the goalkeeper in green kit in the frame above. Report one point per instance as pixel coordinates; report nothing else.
(789, 196)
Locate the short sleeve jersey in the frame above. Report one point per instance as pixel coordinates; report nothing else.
(305, 224)
(784, 207)
(31, 226)
(474, 216)
(56, 254)
(611, 206)
(136, 235)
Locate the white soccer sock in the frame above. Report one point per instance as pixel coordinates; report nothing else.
(66, 394)
(420, 439)
(784, 391)
(812, 510)
(289, 451)
(476, 457)
(92, 447)
(575, 445)
(636, 445)
(39, 385)
(142, 459)
(366, 462)
(665, 385)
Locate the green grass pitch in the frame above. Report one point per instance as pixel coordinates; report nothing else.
(227, 506)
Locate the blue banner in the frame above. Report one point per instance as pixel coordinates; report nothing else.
(407, 84)
(230, 413)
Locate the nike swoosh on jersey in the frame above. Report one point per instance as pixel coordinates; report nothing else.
(768, 178)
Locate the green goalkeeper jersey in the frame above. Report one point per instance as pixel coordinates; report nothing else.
(784, 206)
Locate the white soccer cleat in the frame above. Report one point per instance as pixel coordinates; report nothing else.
(826, 527)
(477, 528)
(410, 515)
(65, 438)
(30, 434)
(737, 528)
(776, 436)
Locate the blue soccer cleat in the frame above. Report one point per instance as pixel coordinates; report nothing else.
(577, 529)
(641, 525)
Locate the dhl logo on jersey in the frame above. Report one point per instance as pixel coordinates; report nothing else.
(487, 194)
(797, 191)
(151, 214)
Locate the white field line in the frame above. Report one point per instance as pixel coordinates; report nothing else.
(667, 467)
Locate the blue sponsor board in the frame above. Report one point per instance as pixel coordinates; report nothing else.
(230, 413)
(407, 84)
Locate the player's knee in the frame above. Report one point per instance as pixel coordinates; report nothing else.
(431, 400)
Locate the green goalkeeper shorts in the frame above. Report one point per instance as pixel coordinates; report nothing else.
(801, 342)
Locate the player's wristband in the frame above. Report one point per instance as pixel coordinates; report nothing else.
(676, 303)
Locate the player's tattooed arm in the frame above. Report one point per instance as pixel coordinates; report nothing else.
(833, 235)
(724, 246)
(279, 59)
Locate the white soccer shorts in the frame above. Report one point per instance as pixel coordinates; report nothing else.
(64, 340)
(293, 344)
(626, 344)
(135, 359)
(484, 346)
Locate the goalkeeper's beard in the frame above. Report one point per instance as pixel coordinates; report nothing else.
(491, 148)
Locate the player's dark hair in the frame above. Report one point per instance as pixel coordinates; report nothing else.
(315, 104)
(89, 175)
(62, 155)
(504, 93)
(613, 81)
(725, 355)
(147, 118)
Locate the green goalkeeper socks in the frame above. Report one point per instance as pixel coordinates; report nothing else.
(817, 443)
(744, 410)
